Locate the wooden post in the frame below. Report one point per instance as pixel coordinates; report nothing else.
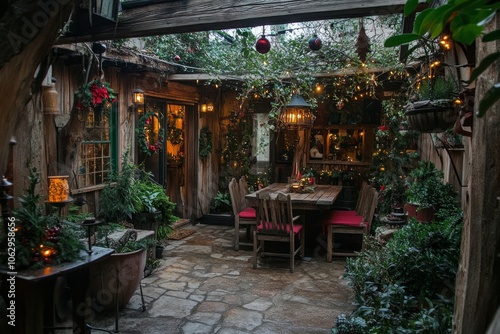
(478, 279)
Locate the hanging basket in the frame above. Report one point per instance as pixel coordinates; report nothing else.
(431, 116)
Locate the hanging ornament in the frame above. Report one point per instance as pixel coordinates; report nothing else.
(263, 45)
(315, 43)
(340, 104)
(362, 44)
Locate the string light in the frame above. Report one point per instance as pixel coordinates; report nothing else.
(444, 42)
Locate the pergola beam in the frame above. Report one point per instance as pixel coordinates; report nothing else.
(202, 15)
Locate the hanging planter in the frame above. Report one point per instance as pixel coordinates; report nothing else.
(96, 96)
(431, 116)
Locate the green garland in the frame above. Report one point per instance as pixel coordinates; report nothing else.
(205, 142)
(143, 127)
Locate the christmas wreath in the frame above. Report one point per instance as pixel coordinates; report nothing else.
(205, 142)
(94, 96)
(175, 135)
(145, 133)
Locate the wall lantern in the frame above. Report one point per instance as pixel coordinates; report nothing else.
(137, 100)
(208, 106)
(58, 189)
(296, 115)
(138, 95)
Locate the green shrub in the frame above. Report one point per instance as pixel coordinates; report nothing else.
(221, 203)
(406, 286)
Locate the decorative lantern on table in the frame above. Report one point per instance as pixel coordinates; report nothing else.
(58, 189)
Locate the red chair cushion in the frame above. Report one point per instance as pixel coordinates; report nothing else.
(296, 228)
(346, 221)
(334, 214)
(248, 213)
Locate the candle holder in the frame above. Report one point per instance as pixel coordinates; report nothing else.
(90, 224)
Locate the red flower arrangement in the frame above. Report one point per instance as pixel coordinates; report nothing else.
(94, 96)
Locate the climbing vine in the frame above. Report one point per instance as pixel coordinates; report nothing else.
(205, 142)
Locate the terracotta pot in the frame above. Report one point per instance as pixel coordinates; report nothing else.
(422, 215)
(426, 117)
(116, 279)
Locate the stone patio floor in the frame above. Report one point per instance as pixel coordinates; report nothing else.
(204, 286)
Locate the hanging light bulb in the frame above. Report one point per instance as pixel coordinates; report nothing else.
(263, 45)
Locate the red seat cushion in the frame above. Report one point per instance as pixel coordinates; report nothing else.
(333, 214)
(248, 213)
(346, 221)
(296, 228)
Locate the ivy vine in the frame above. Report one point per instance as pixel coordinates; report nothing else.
(205, 142)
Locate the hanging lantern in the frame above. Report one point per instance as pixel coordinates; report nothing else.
(297, 114)
(263, 45)
(315, 43)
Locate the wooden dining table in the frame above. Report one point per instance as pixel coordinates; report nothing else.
(322, 197)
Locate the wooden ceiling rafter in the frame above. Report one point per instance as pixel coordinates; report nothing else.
(203, 15)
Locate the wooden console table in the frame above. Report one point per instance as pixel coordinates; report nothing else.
(34, 292)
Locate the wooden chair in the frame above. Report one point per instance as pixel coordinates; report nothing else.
(246, 216)
(351, 224)
(243, 186)
(277, 224)
(360, 204)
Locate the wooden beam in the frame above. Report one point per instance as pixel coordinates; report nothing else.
(203, 15)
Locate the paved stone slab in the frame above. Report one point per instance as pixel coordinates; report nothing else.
(167, 306)
(204, 286)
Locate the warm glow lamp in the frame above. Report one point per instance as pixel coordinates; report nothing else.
(296, 114)
(138, 96)
(58, 189)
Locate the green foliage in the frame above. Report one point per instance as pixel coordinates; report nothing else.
(75, 216)
(232, 53)
(426, 188)
(116, 202)
(237, 152)
(466, 21)
(221, 203)
(38, 233)
(150, 197)
(406, 286)
(164, 231)
(439, 88)
(205, 142)
(391, 160)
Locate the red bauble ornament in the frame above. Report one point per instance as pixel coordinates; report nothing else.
(177, 58)
(263, 45)
(315, 43)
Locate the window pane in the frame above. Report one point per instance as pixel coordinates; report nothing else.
(95, 166)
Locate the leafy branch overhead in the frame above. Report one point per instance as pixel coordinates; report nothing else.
(465, 19)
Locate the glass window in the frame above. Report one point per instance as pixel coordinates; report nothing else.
(98, 149)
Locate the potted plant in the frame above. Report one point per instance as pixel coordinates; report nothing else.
(121, 273)
(427, 193)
